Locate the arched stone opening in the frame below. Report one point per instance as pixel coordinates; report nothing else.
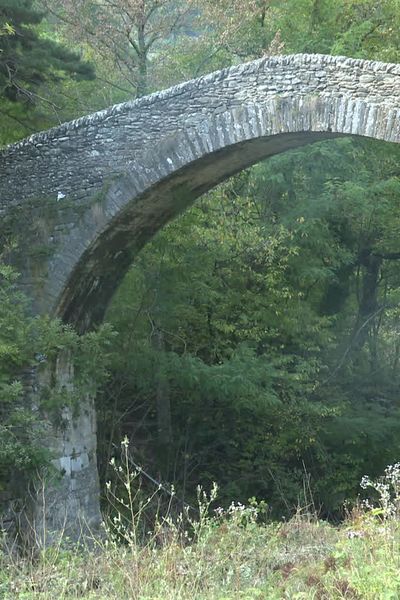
(105, 184)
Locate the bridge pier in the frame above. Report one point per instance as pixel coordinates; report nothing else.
(64, 502)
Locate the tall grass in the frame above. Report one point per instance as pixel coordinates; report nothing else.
(220, 554)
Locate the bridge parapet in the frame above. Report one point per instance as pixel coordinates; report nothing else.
(75, 158)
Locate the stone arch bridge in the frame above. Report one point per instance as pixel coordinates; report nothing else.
(84, 197)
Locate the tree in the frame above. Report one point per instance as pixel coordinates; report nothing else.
(29, 60)
(127, 34)
(155, 43)
(356, 28)
(255, 292)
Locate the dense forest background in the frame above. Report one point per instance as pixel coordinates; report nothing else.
(255, 341)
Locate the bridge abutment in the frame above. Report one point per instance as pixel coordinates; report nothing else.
(64, 500)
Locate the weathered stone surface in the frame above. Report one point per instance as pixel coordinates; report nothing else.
(87, 195)
(67, 503)
(65, 500)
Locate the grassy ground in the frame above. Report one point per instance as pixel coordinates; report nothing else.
(221, 555)
(231, 557)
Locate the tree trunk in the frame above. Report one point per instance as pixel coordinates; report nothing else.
(368, 303)
(142, 80)
(163, 406)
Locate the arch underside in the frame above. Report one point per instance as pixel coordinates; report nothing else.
(103, 266)
(185, 166)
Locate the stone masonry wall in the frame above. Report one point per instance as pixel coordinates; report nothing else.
(74, 159)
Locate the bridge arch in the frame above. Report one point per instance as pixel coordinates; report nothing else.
(84, 197)
(102, 185)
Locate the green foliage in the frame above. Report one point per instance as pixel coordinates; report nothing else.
(18, 448)
(30, 62)
(258, 292)
(361, 29)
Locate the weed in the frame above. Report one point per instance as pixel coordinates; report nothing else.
(214, 554)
